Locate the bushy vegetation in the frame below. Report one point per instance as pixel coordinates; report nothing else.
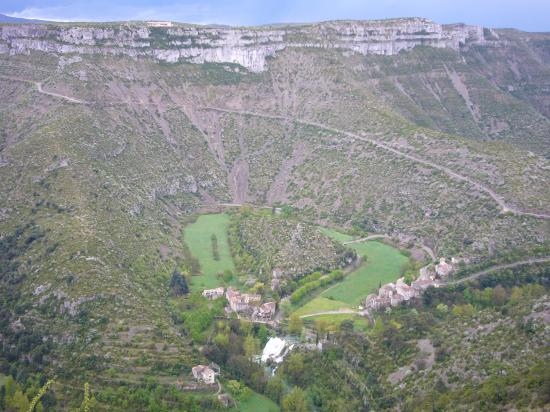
(263, 241)
(311, 285)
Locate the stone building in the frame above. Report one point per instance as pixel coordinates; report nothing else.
(264, 312)
(213, 293)
(204, 374)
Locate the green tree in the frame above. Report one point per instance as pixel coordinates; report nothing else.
(35, 405)
(215, 251)
(263, 334)
(178, 284)
(11, 387)
(378, 328)
(441, 309)
(295, 324)
(275, 389)
(18, 402)
(227, 275)
(251, 346)
(295, 401)
(499, 295)
(221, 340)
(320, 326)
(516, 296)
(294, 367)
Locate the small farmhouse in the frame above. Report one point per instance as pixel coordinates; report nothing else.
(264, 312)
(204, 374)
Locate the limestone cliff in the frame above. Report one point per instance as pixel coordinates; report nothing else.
(248, 47)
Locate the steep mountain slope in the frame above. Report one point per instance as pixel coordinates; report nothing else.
(110, 137)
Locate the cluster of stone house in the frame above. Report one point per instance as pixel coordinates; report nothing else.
(241, 302)
(250, 304)
(244, 303)
(393, 294)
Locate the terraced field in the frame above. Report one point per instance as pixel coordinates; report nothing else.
(198, 237)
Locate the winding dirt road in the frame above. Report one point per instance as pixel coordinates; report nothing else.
(61, 96)
(331, 312)
(505, 208)
(365, 239)
(39, 88)
(545, 259)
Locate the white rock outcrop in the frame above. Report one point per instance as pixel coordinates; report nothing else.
(248, 47)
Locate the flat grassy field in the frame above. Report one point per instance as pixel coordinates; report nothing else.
(320, 304)
(258, 403)
(198, 237)
(383, 264)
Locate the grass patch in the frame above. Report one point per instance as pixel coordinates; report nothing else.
(336, 235)
(383, 265)
(320, 304)
(198, 236)
(2, 379)
(258, 402)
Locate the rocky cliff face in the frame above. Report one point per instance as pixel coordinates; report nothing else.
(248, 47)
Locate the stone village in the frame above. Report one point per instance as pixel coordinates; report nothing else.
(249, 306)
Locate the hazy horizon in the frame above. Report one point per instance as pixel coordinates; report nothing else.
(528, 15)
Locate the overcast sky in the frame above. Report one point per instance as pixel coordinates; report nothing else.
(531, 15)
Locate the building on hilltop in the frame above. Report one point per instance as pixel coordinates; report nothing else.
(204, 374)
(159, 24)
(213, 293)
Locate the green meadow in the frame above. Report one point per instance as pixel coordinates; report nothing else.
(320, 304)
(198, 237)
(382, 264)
